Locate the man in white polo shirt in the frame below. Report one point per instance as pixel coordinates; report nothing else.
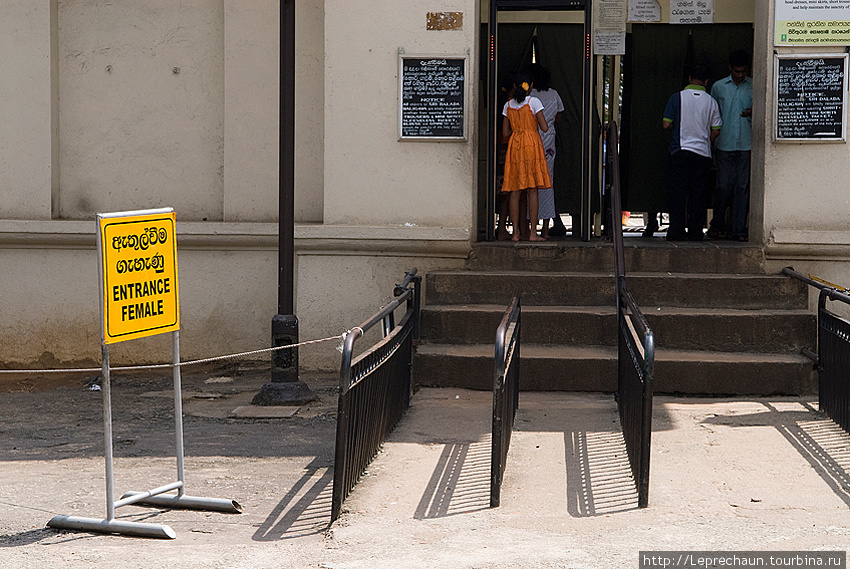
(693, 118)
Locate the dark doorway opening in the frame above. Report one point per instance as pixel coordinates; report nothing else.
(657, 63)
(565, 50)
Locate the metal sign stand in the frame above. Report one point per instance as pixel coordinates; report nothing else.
(153, 497)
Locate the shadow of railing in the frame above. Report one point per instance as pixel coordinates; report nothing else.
(819, 440)
(304, 510)
(460, 483)
(599, 477)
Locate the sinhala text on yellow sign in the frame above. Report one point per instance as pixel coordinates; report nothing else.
(139, 263)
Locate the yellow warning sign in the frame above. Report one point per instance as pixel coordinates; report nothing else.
(138, 254)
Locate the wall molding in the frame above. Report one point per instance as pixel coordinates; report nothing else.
(315, 239)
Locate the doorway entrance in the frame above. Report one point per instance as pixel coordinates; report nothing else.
(658, 59)
(565, 50)
(657, 63)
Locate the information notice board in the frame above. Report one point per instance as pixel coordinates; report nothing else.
(811, 97)
(432, 98)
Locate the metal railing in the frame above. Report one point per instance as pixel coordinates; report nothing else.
(374, 389)
(833, 355)
(834, 360)
(505, 394)
(635, 367)
(636, 344)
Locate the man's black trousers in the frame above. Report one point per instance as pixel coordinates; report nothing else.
(688, 186)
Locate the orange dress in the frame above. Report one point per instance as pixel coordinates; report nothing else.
(525, 164)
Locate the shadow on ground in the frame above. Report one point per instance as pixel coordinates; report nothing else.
(820, 441)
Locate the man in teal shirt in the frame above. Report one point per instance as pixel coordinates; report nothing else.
(734, 95)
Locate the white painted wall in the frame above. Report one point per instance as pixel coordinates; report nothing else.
(118, 106)
(806, 204)
(204, 141)
(251, 102)
(251, 110)
(309, 110)
(26, 136)
(140, 107)
(370, 177)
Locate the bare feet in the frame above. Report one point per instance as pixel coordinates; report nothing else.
(536, 237)
(515, 237)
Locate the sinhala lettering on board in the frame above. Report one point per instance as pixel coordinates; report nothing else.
(691, 11)
(139, 276)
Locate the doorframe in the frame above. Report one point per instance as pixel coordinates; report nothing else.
(585, 217)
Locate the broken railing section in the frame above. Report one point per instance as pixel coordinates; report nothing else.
(374, 389)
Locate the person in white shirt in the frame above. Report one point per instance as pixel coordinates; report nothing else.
(693, 118)
(553, 109)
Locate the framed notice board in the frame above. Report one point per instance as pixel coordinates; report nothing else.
(432, 97)
(811, 97)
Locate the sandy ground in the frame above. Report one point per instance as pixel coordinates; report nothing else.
(756, 474)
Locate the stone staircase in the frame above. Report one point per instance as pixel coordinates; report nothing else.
(722, 326)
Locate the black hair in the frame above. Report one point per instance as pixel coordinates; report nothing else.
(521, 92)
(540, 75)
(701, 72)
(508, 83)
(739, 58)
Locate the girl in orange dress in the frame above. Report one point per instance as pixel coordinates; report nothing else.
(525, 165)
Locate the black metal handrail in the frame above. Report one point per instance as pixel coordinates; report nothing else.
(833, 355)
(811, 281)
(612, 181)
(374, 389)
(636, 343)
(635, 370)
(505, 394)
(834, 359)
(410, 277)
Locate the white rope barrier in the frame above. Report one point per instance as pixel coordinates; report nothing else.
(187, 363)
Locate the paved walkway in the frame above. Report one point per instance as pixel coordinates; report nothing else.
(765, 474)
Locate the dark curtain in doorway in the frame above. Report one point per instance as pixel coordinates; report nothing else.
(656, 65)
(559, 49)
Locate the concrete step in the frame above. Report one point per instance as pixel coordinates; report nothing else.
(594, 368)
(735, 291)
(642, 255)
(735, 330)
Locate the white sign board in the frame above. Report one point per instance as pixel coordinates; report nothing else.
(691, 11)
(644, 11)
(812, 22)
(609, 27)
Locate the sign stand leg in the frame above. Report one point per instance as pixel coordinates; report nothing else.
(107, 433)
(181, 501)
(110, 524)
(178, 409)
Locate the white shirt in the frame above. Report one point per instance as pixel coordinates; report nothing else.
(533, 102)
(552, 105)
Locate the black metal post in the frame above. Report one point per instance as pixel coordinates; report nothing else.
(286, 388)
(586, 217)
(492, 99)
